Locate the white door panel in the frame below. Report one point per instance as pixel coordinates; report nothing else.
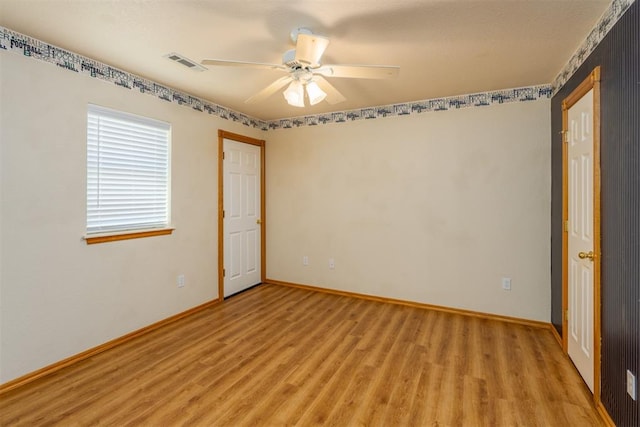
(241, 200)
(580, 239)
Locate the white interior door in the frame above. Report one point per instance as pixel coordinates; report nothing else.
(580, 237)
(241, 224)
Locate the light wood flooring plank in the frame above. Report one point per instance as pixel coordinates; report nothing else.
(277, 355)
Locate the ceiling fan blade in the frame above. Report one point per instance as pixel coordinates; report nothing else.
(333, 96)
(269, 90)
(359, 71)
(226, 63)
(309, 49)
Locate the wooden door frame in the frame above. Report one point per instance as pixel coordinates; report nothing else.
(591, 82)
(222, 135)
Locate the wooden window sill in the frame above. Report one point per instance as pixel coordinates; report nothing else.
(114, 237)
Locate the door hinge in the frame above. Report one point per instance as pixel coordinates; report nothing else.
(224, 273)
(223, 155)
(566, 315)
(565, 226)
(223, 213)
(565, 136)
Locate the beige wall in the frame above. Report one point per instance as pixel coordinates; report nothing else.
(434, 208)
(59, 296)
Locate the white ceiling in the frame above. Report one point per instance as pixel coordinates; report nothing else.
(443, 47)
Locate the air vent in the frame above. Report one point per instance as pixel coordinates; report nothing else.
(180, 59)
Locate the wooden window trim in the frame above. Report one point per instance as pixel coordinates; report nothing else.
(106, 238)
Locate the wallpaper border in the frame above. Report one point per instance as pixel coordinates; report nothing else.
(15, 42)
(483, 99)
(614, 12)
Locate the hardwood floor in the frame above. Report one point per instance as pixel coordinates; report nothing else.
(276, 355)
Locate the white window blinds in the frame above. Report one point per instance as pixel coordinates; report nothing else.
(127, 171)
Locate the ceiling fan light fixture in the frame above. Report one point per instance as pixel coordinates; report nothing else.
(294, 94)
(315, 93)
(305, 72)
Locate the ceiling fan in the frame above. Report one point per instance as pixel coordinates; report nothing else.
(305, 72)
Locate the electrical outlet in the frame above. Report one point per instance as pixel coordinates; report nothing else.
(631, 385)
(180, 280)
(506, 283)
(305, 260)
(332, 263)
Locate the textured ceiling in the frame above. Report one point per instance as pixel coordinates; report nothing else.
(443, 47)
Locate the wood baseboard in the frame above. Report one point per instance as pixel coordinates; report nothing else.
(526, 322)
(47, 370)
(556, 334)
(604, 414)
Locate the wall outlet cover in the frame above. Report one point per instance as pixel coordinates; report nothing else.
(631, 385)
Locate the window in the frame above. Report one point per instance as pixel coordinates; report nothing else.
(127, 172)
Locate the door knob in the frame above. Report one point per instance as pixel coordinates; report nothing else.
(583, 255)
(258, 221)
